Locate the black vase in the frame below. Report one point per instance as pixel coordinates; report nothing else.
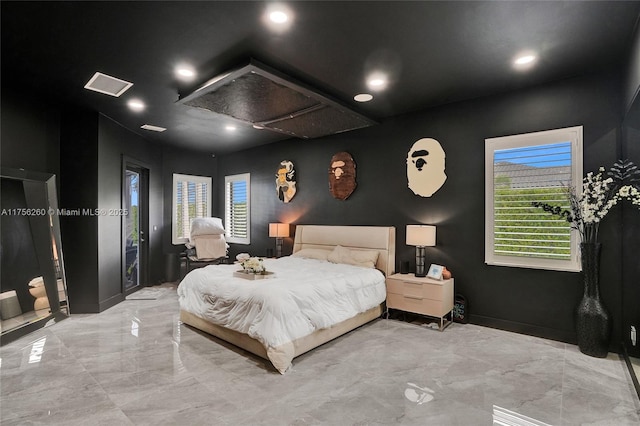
(593, 323)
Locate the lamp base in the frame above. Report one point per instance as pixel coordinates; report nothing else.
(420, 256)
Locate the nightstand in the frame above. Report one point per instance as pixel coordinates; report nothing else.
(421, 295)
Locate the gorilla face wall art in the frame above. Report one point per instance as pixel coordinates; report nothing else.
(342, 175)
(285, 185)
(425, 167)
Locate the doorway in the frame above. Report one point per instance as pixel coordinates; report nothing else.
(135, 223)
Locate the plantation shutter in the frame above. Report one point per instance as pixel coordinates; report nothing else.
(237, 198)
(192, 199)
(524, 175)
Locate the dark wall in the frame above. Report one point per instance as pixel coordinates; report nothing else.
(93, 148)
(78, 190)
(30, 133)
(116, 144)
(533, 301)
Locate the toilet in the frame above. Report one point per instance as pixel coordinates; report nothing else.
(37, 290)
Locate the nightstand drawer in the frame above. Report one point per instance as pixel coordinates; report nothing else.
(417, 305)
(421, 295)
(415, 290)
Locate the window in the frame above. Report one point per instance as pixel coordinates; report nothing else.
(191, 199)
(237, 211)
(521, 169)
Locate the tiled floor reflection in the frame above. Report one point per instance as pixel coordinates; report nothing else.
(136, 364)
(22, 319)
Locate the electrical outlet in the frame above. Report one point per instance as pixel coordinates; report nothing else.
(633, 335)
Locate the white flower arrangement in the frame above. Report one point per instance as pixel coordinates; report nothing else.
(599, 196)
(596, 198)
(253, 265)
(631, 193)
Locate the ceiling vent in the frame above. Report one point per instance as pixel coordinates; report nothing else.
(108, 85)
(153, 128)
(267, 99)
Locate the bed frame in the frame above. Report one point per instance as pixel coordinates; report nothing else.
(379, 238)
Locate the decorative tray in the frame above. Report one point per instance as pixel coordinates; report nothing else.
(249, 276)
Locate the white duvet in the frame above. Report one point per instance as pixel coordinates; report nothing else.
(305, 295)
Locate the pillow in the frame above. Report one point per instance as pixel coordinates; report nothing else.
(364, 258)
(207, 226)
(311, 253)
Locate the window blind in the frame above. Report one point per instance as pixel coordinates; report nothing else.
(191, 199)
(237, 212)
(523, 169)
(521, 176)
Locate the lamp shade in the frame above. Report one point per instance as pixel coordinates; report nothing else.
(421, 235)
(279, 230)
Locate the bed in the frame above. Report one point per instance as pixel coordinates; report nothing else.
(279, 319)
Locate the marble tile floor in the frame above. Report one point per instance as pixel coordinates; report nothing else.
(136, 364)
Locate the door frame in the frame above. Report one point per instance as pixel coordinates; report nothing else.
(144, 170)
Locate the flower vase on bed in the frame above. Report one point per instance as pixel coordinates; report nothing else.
(252, 268)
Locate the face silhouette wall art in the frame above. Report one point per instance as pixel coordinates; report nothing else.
(342, 175)
(425, 167)
(285, 185)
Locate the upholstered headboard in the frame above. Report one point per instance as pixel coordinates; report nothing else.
(379, 238)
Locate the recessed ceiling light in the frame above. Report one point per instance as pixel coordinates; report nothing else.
(377, 81)
(363, 97)
(185, 72)
(136, 104)
(278, 17)
(153, 128)
(230, 128)
(523, 60)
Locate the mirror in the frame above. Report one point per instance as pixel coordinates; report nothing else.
(631, 244)
(33, 289)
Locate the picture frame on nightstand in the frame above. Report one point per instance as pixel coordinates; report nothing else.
(435, 271)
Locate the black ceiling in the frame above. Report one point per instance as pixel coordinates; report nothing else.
(433, 52)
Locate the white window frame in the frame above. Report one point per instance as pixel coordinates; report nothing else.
(569, 134)
(180, 179)
(230, 225)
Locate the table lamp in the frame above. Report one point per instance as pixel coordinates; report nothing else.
(279, 231)
(421, 236)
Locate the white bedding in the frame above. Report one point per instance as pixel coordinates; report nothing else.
(305, 295)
